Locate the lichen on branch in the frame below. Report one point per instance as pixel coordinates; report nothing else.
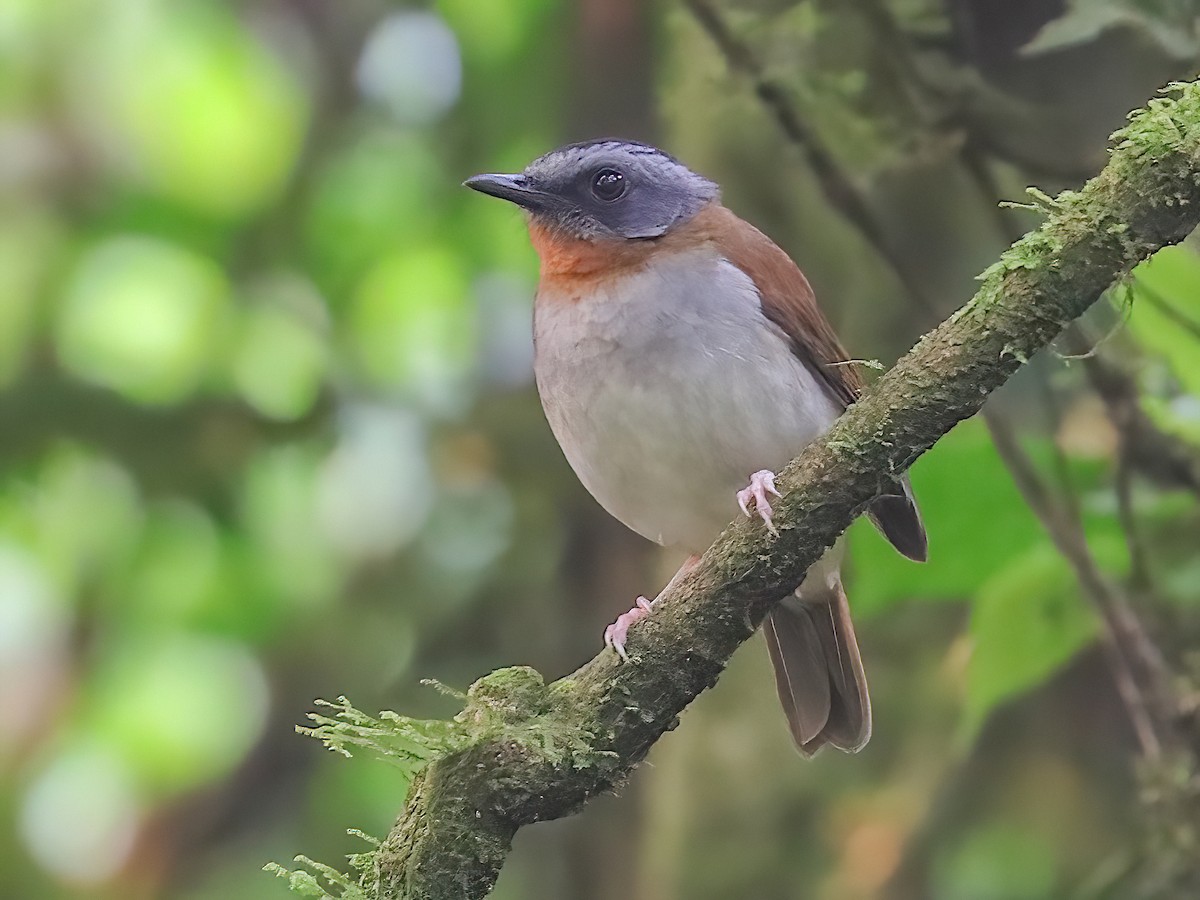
(523, 751)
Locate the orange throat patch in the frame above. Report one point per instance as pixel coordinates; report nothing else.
(573, 262)
(571, 265)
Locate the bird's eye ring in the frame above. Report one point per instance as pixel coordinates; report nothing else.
(609, 185)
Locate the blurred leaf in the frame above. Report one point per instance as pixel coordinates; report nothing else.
(998, 862)
(954, 483)
(29, 242)
(143, 317)
(1181, 583)
(1166, 289)
(360, 788)
(1087, 20)
(1027, 621)
(1179, 416)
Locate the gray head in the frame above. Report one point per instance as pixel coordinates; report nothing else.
(604, 189)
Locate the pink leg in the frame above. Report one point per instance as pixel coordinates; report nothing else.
(762, 483)
(616, 633)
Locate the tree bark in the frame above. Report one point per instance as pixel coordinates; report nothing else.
(532, 751)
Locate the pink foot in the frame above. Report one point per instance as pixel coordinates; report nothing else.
(762, 483)
(615, 634)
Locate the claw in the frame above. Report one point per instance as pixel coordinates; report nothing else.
(762, 483)
(616, 633)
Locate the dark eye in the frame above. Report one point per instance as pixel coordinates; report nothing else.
(609, 185)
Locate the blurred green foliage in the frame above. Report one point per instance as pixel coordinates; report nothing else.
(268, 433)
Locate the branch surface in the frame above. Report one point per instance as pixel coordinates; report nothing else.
(560, 744)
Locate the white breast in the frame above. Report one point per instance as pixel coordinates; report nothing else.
(668, 388)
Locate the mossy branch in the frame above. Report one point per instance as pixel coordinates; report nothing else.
(523, 751)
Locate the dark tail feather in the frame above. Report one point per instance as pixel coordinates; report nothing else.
(818, 672)
(897, 516)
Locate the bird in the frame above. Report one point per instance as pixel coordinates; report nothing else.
(682, 360)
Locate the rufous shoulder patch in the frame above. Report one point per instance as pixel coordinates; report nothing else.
(787, 300)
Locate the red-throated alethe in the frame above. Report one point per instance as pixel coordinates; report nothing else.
(681, 359)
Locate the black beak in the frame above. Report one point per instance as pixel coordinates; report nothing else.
(514, 188)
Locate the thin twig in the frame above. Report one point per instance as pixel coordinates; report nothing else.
(839, 189)
(1062, 466)
(1139, 561)
(1066, 532)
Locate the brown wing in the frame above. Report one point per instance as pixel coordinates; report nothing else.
(789, 302)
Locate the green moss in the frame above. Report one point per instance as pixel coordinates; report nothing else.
(403, 741)
(514, 706)
(507, 695)
(510, 706)
(314, 879)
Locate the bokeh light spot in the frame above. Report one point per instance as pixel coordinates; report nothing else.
(142, 316)
(376, 488)
(411, 65)
(183, 709)
(219, 123)
(414, 325)
(281, 356)
(80, 816)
